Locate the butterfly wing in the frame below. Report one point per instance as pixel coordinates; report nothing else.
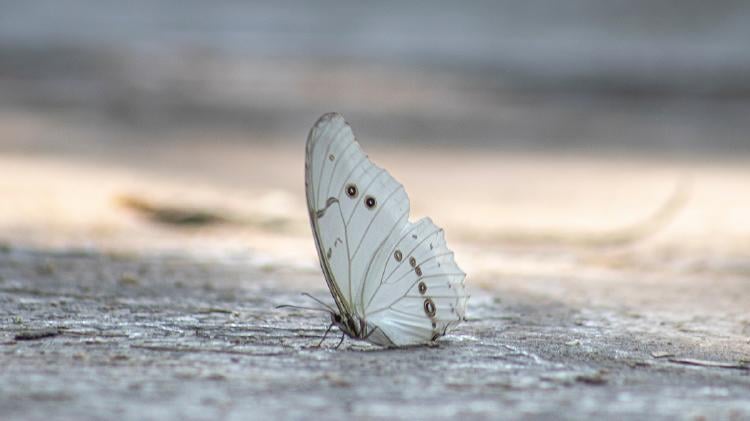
(359, 215)
(353, 206)
(418, 293)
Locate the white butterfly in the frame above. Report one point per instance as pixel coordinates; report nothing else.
(395, 282)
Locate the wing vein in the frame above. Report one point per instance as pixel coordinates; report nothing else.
(412, 250)
(323, 161)
(405, 215)
(348, 254)
(374, 293)
(426, 260)
(412, 286)
(380, 208)
(356, 205)
(354, 168)
(333, 171)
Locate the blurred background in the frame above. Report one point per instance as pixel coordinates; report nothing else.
(551, 139)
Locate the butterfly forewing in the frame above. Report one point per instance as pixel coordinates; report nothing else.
(325, 143)
(398, 277)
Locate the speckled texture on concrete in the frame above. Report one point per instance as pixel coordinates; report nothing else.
(166, 336)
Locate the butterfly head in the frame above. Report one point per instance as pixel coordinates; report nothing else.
(353, 328)
(341, 323)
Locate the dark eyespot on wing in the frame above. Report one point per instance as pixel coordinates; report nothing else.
(351, 190)
(429, 307)
(370, 202)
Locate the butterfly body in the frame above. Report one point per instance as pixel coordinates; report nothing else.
(394, 282)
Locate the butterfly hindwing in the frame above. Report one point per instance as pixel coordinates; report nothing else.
(420, 292)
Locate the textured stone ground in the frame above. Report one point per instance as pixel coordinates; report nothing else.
(85, 335)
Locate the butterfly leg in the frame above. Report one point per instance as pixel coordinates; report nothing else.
(341, 341)
(324, 336)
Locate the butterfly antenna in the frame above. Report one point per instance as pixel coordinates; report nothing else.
(319, 302)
